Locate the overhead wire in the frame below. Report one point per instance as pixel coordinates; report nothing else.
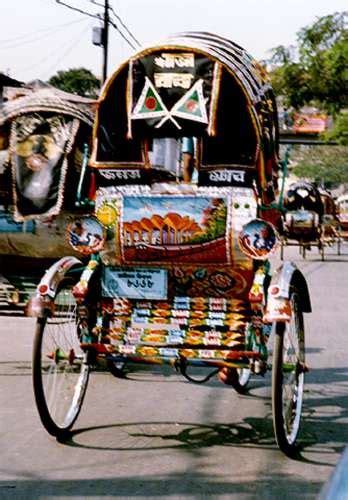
(112, 22)
(27, 41)
(118, 17)
(114, 25)
(20, 37)
(97, 16)
(124, 26)
(69, 49)
(69, 46)
(96, 3)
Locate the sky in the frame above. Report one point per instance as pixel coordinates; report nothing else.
(40, 37)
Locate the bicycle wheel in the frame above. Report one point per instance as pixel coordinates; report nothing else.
(242, 380)
(60, 369)
(321, 248)
(288, 378)
(117, 368)
(304, 248)
(338, 239)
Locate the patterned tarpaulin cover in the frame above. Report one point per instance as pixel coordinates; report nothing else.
(43, 123)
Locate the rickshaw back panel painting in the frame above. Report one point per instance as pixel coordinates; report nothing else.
(177, 230)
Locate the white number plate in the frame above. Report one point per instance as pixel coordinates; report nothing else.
(134, 283)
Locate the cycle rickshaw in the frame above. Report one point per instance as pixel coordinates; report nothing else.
(45, 137)
(342, 206)
(178, 271)
(331, 222)
(303, 218)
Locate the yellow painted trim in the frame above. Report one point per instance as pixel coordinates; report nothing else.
(215, 93)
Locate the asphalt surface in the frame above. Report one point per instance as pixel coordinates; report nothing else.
(155, 435)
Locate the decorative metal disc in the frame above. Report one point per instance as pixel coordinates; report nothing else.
(86, 235)
(258, 239)
(107, 214)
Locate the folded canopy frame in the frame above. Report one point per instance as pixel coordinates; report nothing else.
(239, 104)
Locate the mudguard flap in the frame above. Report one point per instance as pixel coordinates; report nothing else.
(287, 277)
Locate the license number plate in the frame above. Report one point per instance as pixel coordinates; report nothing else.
(135, 283)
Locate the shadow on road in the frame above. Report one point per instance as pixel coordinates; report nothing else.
(324, 430)
(177, 485)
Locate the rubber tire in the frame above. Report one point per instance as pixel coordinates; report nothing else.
(118, 370)
(289, 447)
(58, 431)
(321, 247)
(239, 379)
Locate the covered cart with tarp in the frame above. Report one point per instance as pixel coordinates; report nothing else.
(185, 153)
(342, 208)
(331, 222)
(310, 219)
(46, 136)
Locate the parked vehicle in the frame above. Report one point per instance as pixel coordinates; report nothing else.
(331, 222)
(303, 218)
(342, 204)
(185, 154)
(45, 136)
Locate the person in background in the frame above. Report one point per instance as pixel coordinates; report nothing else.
(188, 159)
(175, 155)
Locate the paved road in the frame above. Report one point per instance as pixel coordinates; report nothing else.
(157, 436)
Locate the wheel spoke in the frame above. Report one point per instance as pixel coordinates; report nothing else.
(60, 370)
(288, 378)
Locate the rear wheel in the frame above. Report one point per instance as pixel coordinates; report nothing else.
(241, 381)
(288, 378)
(60, 369)
(321, 247)
(338, 238)
(304, 248)
(117, 368)
(238, 378)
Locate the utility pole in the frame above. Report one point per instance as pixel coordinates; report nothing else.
(100, 35)
(105, 40)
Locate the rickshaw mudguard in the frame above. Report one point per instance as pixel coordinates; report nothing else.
(42, 303)
(286, 277)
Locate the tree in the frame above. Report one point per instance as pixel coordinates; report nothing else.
(79, 81)
(315, 71)
(340, 131)
(326, 165)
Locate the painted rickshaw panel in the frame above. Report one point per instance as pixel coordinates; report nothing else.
(47, 131)
(342, 204)
(199, 85)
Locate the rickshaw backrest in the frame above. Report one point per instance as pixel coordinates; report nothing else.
(342, 204)
(304, 196)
